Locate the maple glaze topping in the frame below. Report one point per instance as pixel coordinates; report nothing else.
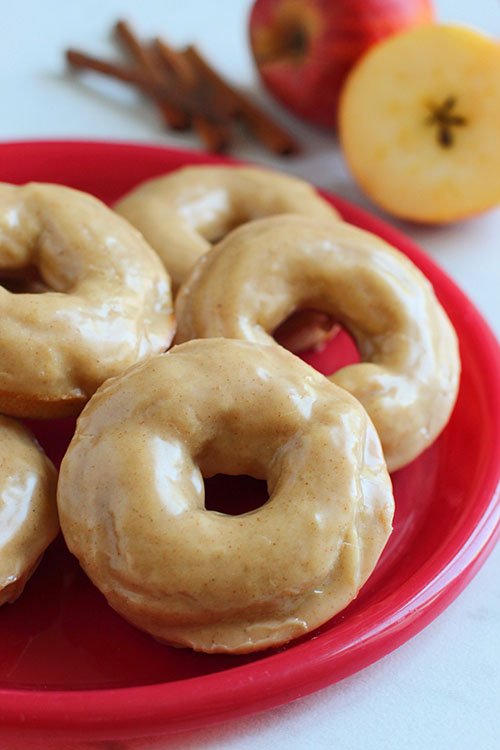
(263, 271)
(101, 299)
(131, 496)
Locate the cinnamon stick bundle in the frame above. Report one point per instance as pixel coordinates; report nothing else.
(187, 91)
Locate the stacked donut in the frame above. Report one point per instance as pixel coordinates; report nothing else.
(247, 249)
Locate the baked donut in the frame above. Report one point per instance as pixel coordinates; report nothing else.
(409, 375)
(103, 300)
(131, 496)
(181, 214)
(28, 511)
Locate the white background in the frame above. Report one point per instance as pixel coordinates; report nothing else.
(442, 689)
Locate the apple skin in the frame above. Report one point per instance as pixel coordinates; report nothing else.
(304, 49)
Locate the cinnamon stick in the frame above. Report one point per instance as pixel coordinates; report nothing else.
(175, 116)
(142, 55)
(176, 63)
(263, 127)
(83, 61)
(212, 123)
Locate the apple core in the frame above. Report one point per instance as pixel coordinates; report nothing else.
(446, 118)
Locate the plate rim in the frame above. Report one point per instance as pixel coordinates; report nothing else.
(194, 702)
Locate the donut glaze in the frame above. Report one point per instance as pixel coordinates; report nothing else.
(131, 496)
(28, 511)
(262, 272)
(94, 299)
(181, 214)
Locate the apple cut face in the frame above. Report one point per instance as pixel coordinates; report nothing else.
(419, 123)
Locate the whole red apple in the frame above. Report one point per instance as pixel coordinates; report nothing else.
(305, 48)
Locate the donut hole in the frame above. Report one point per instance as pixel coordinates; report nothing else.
(339, 351)
(306, 329)
(234, 495)
(26, 280)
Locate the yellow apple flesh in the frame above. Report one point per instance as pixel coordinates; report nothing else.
(419, 123)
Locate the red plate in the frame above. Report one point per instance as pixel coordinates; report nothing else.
(71, 668)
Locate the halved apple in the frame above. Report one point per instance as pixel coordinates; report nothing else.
(419, 123)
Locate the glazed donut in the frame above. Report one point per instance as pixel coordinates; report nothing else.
(409, 374)
(28, 511)
(181, 214)
(131, 496)
(104, 300)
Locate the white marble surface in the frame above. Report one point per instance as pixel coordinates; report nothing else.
(442, 689)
